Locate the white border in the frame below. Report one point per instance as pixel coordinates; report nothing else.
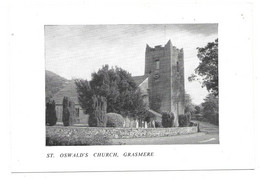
(27, 85)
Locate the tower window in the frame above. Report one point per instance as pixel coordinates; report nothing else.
(157, 64)
(178, 69)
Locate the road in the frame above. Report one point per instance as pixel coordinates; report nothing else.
(209, 134)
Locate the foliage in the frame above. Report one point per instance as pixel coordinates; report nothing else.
(114, 120)
(184, 120)
(119, 89)
(68, 112)
(158, 124)
(208, 67)
(98, 116)
(92, 121)
(85, 94)
(189, 106)
(197, 110)
(167, 119)
(51, 118)
(211, 109)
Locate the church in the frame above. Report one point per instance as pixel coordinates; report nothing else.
(162, 84)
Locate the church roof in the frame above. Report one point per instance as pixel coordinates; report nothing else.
(70, 91)
(139, 79)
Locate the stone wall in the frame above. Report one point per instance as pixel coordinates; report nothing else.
(118, 133)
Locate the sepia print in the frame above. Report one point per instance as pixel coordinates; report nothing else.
(132, 84)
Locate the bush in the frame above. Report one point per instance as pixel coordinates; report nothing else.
(114, 120)
(92, 121)
(212, 118)
(184, 120)
(193, 124)
(68, 112)
(198, 117)
(197, 110)
(167, 119)
(51, 118)
(188, 116)
(98, 116)
(158, 124)
(97, 119)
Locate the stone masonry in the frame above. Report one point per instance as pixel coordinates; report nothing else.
(165, 68)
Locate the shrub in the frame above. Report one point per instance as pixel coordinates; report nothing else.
(97, 117)
(158, 124)
(51, 118)
(197, 110)
(92, 121)
(167, 119)
(68, 112)
(211, 118)
(184, 120)
(193, 124)
(198, 117)
(114, 120)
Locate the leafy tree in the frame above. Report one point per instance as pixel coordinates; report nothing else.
(208, 67)
(210, 108)
(189, 106)
(197, 109)
(119, 89)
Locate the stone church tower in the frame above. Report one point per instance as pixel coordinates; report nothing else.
(165, 68)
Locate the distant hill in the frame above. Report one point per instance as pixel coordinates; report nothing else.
(53, 83)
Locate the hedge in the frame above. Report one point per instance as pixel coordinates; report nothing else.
(114, 120)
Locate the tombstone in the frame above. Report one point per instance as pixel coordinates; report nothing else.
(152, 123)
(136, 124)
(145, 124)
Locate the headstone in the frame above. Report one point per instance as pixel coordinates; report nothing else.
(145, 124)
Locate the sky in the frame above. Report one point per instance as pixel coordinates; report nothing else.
(76, 51)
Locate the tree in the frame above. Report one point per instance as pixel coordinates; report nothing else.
(119, 89)
(189, 106)
(51, 118)
(197, 109)
(68, 112)
(208, 67)
(98, 116)
(210, 108)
